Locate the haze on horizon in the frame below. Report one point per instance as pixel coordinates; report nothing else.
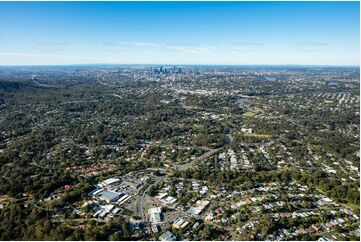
(213, 33)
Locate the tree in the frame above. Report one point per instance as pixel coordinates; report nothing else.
(206, 233)
(152, 191)
(172, 190)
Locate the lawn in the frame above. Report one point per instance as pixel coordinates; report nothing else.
(354, 207)
(261, 136)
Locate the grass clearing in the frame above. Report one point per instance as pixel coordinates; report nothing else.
(252, 112)
(249, 114)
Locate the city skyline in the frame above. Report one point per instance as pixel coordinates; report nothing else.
(193, 33)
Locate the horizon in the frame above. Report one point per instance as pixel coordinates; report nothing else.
(187, 65)
(192, 33)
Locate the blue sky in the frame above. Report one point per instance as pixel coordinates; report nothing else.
(245, 33)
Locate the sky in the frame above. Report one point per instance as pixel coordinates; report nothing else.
(210, 33)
